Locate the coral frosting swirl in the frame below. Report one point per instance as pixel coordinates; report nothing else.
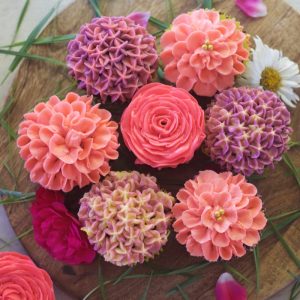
(163, 126)
(217, 215)
(247, 130)
(67, 143)
(112, 57)
(21, 279)
(126, 217)
(203, 51)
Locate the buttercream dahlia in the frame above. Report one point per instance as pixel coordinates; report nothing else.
(67, 143)
(126, 217)
(218, 215)
(112, 57)
(203, 51)
(163, 126)
(247, 130)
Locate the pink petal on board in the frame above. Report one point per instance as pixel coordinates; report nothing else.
(140, 18)
(227, 288)
(252, 8)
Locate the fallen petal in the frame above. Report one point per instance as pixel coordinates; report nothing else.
(252, 8)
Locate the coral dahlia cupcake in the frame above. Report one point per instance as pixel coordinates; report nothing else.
(203, 51)
(126, 217)
(67, 143)
(218, 215)
(247, 130)
(163, 126)
(112, 57)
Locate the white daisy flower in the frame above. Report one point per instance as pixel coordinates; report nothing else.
(270, 70)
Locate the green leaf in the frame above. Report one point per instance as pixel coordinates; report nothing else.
(236, 273)
(291, 166)
(182, 292)
(183, 284)
(30, 39)
(45, 40)
(160, 73)
(123, 275)
(158, 23)
(285, 245)
(207, 4)
(144, 296)
(18, 237)
(33, 56)
(96, 8)
(257, 267)
(101, 283)
(20, 20)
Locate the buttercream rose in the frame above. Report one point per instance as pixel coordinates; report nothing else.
(21, 279)
(163, 126)
(57, 231)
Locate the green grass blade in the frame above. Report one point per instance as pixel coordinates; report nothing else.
(257, 267)
(96, 8)
(18, 237)
(207, 4)
(236, 273)
(183, 285)
(291, 166)
(182, 292)
(284, 215)
(20, 20)
(295, 291)
(170, 9)
(5, 193)
(101, 283)
(285, 245)
(7, 106)
(292, 144)
(9, 171)
(122, 276)
(33, 56)
(9, 130)
(158, 23)
(145, 294)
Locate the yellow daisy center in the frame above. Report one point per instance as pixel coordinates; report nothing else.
(219, 214)
(270, 79)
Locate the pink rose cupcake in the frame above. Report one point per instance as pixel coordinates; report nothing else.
(218, 215)
(203, 51)
(163, 126)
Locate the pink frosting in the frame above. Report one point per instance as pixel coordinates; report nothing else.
(67, 143)
(163, 126)
(217, 215)
(203, 52)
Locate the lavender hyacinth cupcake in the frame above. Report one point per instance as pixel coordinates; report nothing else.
(247, 130)
(113, 56)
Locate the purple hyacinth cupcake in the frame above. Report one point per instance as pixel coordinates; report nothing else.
(112, 57)
(247, 130)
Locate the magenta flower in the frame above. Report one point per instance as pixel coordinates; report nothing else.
(252, 8)
(229, 289)
(140, 18)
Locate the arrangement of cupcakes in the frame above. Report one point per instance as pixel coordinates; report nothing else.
(126, 217)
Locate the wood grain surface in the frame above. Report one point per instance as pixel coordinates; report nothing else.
(36, 81)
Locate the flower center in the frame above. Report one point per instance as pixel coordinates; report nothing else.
(207, 46)
(219, 214)
(270, 79)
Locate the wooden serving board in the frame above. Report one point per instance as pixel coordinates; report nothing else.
(36, 81)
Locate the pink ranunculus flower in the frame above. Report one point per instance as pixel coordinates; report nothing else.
(58, 231)
(252, 8)
(163, 126)
(227, 288)
(203, 51)
(217, 215)
(67, 143)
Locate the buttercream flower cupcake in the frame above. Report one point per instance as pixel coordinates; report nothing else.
(218, 215)
(203, 51)
(126, 217)
(67, 143)
(163, 126)
(21, 279)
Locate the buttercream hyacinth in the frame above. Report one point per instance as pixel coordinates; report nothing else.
(112, 57)
(203, 51)
(218, 215)
(126, 217)
(247, 130)
(67, 143)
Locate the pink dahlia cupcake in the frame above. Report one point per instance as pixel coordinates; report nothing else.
(67, 143)
(126, 217)
(247, 130)
(163, 126)
(218, 215)
(203, 51)
(113, 56)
